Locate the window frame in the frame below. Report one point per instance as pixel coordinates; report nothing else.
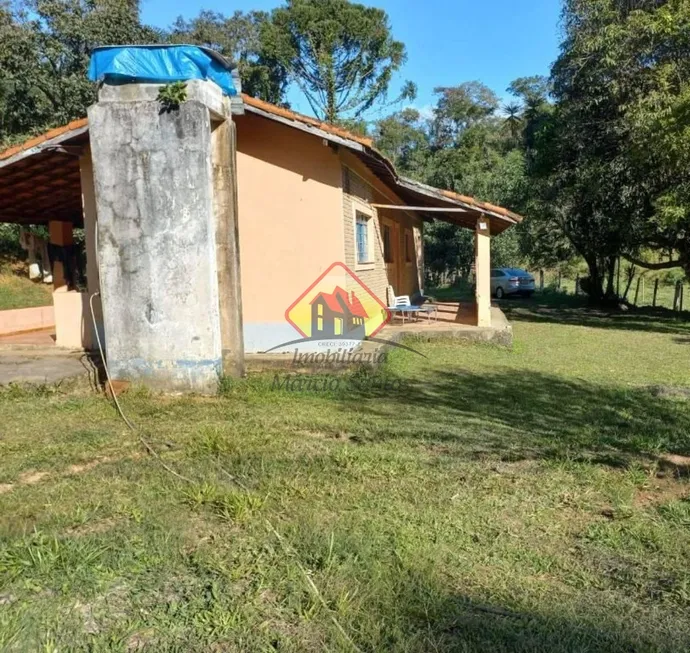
(364, 210)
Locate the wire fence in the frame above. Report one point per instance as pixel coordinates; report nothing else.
(640, 291)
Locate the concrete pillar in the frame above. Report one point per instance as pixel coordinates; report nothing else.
(61, 234)
(88, 200)
(224, 159)
(156, 199)
(482, 263)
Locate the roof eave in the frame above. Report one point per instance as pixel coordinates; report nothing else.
(39, 144)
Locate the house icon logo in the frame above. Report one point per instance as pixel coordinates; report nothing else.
(338, 305)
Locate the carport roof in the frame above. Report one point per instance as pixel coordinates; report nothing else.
(39, 180)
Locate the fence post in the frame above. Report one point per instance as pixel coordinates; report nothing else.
(541, 279)
(559, 280)
(682, 294)
(637, 290)
(656, 290)
(618, 279)
(676, 296)
(577, 284)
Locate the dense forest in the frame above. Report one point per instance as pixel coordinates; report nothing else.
(596, 156)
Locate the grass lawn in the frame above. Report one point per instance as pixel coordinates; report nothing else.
(493, 500)
(18, 291)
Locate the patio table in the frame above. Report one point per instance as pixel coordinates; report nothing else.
(416, 310)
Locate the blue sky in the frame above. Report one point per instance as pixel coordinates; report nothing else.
(448, 41)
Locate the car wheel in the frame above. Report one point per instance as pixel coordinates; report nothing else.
(499, 293)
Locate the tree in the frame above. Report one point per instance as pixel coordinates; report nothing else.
(459, 108)
(340, 54)
(44, 57)
(653, 39)
(448, 252)
(610, 158)
(464, 147)
(404, 138)
(239, 38)
(535, 89)
(513, 118)
(577, 156)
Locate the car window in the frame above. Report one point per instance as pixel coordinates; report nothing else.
(498, 273)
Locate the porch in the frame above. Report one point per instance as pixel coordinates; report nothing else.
(454, 320)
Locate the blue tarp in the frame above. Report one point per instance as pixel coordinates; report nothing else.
(160, 64)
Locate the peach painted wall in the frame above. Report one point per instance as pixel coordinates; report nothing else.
(26, 319)
(73, 321)
(290, 222)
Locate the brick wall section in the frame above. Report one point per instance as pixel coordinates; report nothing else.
(356, 188)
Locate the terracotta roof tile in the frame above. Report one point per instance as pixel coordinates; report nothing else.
(292, 115)
(284, 113)
(37, 140)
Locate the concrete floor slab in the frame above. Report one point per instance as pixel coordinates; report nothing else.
(40, 337)
(42, 366)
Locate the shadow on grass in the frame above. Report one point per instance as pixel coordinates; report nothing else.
(559, 308)
(456, 623)
(528, 415)
(552, 306)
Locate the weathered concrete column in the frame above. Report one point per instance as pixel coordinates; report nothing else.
(224, 159)
(482, 265)
(61, 234)
(159, 208)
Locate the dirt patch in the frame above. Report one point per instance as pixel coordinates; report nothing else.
(672, 391)
(85, 467)
(662, 490)
(677, 465)
(31, 477)
(328, 435)
(92, 528)
(139, 641)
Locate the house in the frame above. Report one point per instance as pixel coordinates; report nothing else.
(203, 224)
(338, 315)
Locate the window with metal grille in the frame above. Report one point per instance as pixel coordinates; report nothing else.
(362, 232)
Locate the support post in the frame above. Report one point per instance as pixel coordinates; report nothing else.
(482, 266)
(656, 290)
(61, 235)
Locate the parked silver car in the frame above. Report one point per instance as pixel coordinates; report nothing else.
(511, 281)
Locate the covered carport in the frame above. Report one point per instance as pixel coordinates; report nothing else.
(48, 181)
